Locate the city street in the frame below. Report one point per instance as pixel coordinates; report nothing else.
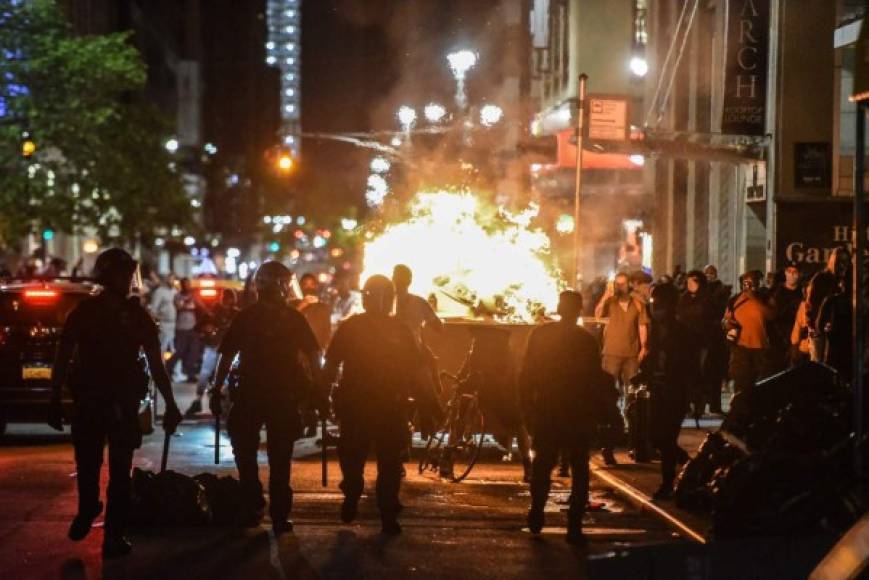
(473, 529)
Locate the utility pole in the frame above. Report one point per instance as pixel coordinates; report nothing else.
(857, 288)
(577, 196)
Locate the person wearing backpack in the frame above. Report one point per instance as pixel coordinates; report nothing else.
(279, 366)
(100, 355)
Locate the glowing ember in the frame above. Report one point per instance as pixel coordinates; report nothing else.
(473, 257)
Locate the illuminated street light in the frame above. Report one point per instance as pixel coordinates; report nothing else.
(171, 145)
(378, 184)
(380, 165)
(637, 159)
(639, 67)
(349, 224)
(434, 112)
(396, 141)
(490, 115)
(407, 117)
(460, 63)
(285, 162)
(565, 224)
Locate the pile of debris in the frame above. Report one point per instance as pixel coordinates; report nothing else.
(172, 499)
(781, 462)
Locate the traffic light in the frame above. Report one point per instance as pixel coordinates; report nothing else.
(28, 146)
(285, 162)
(48, 234)
(274, 247)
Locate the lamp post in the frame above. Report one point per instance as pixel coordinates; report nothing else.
(460, 63)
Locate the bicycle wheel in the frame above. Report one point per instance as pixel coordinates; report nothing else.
(469, 432)
(431, 454)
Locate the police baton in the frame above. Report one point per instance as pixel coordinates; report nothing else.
(163, 460)
(217, 439)
(324, 463)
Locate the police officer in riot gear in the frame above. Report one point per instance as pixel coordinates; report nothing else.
(380, 367)
(560, 382)
(278, 369)
(99, 358)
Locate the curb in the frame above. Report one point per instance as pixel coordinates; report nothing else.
(644, 502)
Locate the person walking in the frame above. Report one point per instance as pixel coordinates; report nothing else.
(213, 326)
(624, 339)
(561, 377)
(98, 357)
(187, 309)
(162, 307)
(746, 320)
(378, 361)
(279, 369)
(671, 350)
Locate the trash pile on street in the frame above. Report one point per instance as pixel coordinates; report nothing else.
(781, 462)
(172, 499)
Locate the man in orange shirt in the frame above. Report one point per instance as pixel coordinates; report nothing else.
(746, 321)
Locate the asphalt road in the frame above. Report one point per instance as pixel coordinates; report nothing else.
(473, 529)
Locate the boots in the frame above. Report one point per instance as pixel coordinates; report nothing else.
(536, 520)
(81, 524)
(608, 457)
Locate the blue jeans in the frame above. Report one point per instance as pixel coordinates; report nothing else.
(206, 371)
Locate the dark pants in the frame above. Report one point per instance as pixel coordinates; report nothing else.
(94, 425)
(548, 445)
(388, 436)
(715, 371)
(747, 366)
(667, 415)
(186, 351)
(246, 419)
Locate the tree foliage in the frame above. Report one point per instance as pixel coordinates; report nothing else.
(100, 161)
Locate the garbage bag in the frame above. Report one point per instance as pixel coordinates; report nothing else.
(778, 493)
(692, 490)
(224, 497)
(166, 499)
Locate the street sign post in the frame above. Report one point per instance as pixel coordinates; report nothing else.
(608, 118)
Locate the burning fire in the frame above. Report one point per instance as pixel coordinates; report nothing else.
(474, 258)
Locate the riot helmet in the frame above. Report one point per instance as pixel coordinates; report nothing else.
(378, 295)
(115, 269)
(274, 281)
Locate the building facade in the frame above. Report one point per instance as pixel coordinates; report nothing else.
(750, 132)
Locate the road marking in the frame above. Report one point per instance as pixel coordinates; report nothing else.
(644, 501)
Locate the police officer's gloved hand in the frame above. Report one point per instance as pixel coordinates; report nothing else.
(55, 414)
(171, 418)
(215, 401)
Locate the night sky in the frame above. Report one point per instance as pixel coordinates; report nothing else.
(362, 60)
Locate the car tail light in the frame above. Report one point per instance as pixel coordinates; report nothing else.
(206, 283)
(41, 296)
(208, 293)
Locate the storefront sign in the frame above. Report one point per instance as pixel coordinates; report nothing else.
(808, 232)
(744, 109)
(812, 165)
(608, 118)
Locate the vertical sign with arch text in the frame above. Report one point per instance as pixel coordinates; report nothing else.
(744, 111)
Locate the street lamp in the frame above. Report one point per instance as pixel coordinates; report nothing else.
(380, 165)
(639, 67)
(434, 112)
(407, 117)
(490, 115)
(285, 162)
(171, 145)
(460, 63)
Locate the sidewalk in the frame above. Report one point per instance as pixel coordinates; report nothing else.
(638, 481)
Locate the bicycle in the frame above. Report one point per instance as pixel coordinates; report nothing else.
(453, 449)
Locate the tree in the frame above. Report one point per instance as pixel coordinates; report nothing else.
(100, 161)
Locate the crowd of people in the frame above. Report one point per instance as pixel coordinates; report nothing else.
(680, 336)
